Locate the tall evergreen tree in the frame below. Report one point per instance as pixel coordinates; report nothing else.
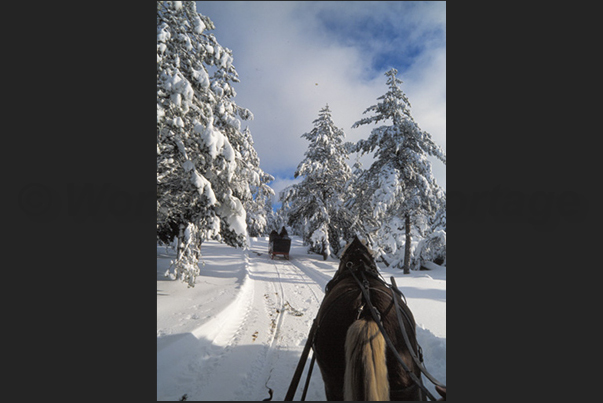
(278, 219)
(399, 185)
(314, 204)
(258, 205)
(202, 175)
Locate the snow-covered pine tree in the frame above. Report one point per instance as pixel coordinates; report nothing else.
(278, 219)
(314, 204)
(360, 217)
(259, 205)
(200, 148)
(258, 211)
(399, 185)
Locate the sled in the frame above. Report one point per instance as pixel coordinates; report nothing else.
(280, 246)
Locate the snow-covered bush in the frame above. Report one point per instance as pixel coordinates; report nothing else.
(185, 267)
(319, 242)
(430, 249)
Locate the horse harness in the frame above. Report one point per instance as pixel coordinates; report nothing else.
(365, 289)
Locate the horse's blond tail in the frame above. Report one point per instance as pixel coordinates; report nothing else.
(365, 377)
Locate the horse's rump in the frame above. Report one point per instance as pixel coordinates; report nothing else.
(339, 312)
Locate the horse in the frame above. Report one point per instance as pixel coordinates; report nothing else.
(350, 350)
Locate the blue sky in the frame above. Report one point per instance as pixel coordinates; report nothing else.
(295, 57)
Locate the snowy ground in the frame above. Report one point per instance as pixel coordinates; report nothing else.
(242, 328)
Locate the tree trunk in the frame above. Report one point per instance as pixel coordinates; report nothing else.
(180, 245)
(407, 245)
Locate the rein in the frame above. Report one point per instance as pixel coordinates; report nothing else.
(300, 367)
(418, 360)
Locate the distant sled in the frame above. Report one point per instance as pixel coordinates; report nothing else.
(279, 244)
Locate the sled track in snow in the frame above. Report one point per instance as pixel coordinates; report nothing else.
(302, 276)
(306, 269)
(300, 300)
(287, 298)
(251, 344)
(199, 358)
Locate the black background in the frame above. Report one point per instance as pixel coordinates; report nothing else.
(80, 111)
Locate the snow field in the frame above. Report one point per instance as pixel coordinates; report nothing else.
(243, 326)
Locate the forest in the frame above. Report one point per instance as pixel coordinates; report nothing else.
(210, 185)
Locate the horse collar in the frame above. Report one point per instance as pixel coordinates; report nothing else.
(363, 268)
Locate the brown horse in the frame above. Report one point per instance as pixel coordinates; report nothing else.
(351, 352)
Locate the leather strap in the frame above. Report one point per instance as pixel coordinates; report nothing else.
(416, 359)
(301, 364)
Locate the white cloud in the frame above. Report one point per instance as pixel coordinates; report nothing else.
(291, 62)
(279, 184)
